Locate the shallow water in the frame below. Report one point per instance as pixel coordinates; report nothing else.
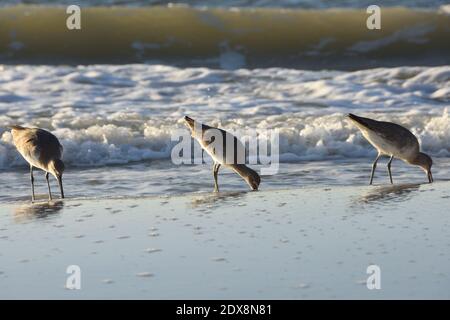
(163, 178)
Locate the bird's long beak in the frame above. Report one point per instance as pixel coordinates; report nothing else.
(430, 176)
(61, 186)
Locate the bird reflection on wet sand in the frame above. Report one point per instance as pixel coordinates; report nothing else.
(215, 199)
(387, 195)
(37, 210)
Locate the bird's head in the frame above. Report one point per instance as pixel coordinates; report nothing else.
(253, 179)
(425, 162)
(56, 168)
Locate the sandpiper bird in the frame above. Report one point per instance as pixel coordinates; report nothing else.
(42, 150)
(205, 135)
(395, 141)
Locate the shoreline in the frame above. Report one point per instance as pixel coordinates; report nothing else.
(42, 198)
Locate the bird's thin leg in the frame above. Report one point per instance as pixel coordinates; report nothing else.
(48, 184)
(215, 172)
(32, 184)
(374, 166)
(389, 168)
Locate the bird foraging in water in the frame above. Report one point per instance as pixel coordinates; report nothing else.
(233, 159)
(42, 150)
(395, 141)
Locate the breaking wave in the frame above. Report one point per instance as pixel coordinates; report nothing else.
(227, 38)
(109, 114)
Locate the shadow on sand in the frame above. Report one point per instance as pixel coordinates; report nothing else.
(216, 199)
(386, 195)
(40, 210)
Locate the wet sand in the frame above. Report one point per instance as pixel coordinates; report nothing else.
(285, 244)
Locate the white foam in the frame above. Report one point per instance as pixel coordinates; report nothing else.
(445, 9)
(126, 113)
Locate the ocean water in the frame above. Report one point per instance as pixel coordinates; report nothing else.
(226, 38)
(115, 122)
(115, 91)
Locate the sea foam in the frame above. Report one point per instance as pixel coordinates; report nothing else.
(106, 114)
